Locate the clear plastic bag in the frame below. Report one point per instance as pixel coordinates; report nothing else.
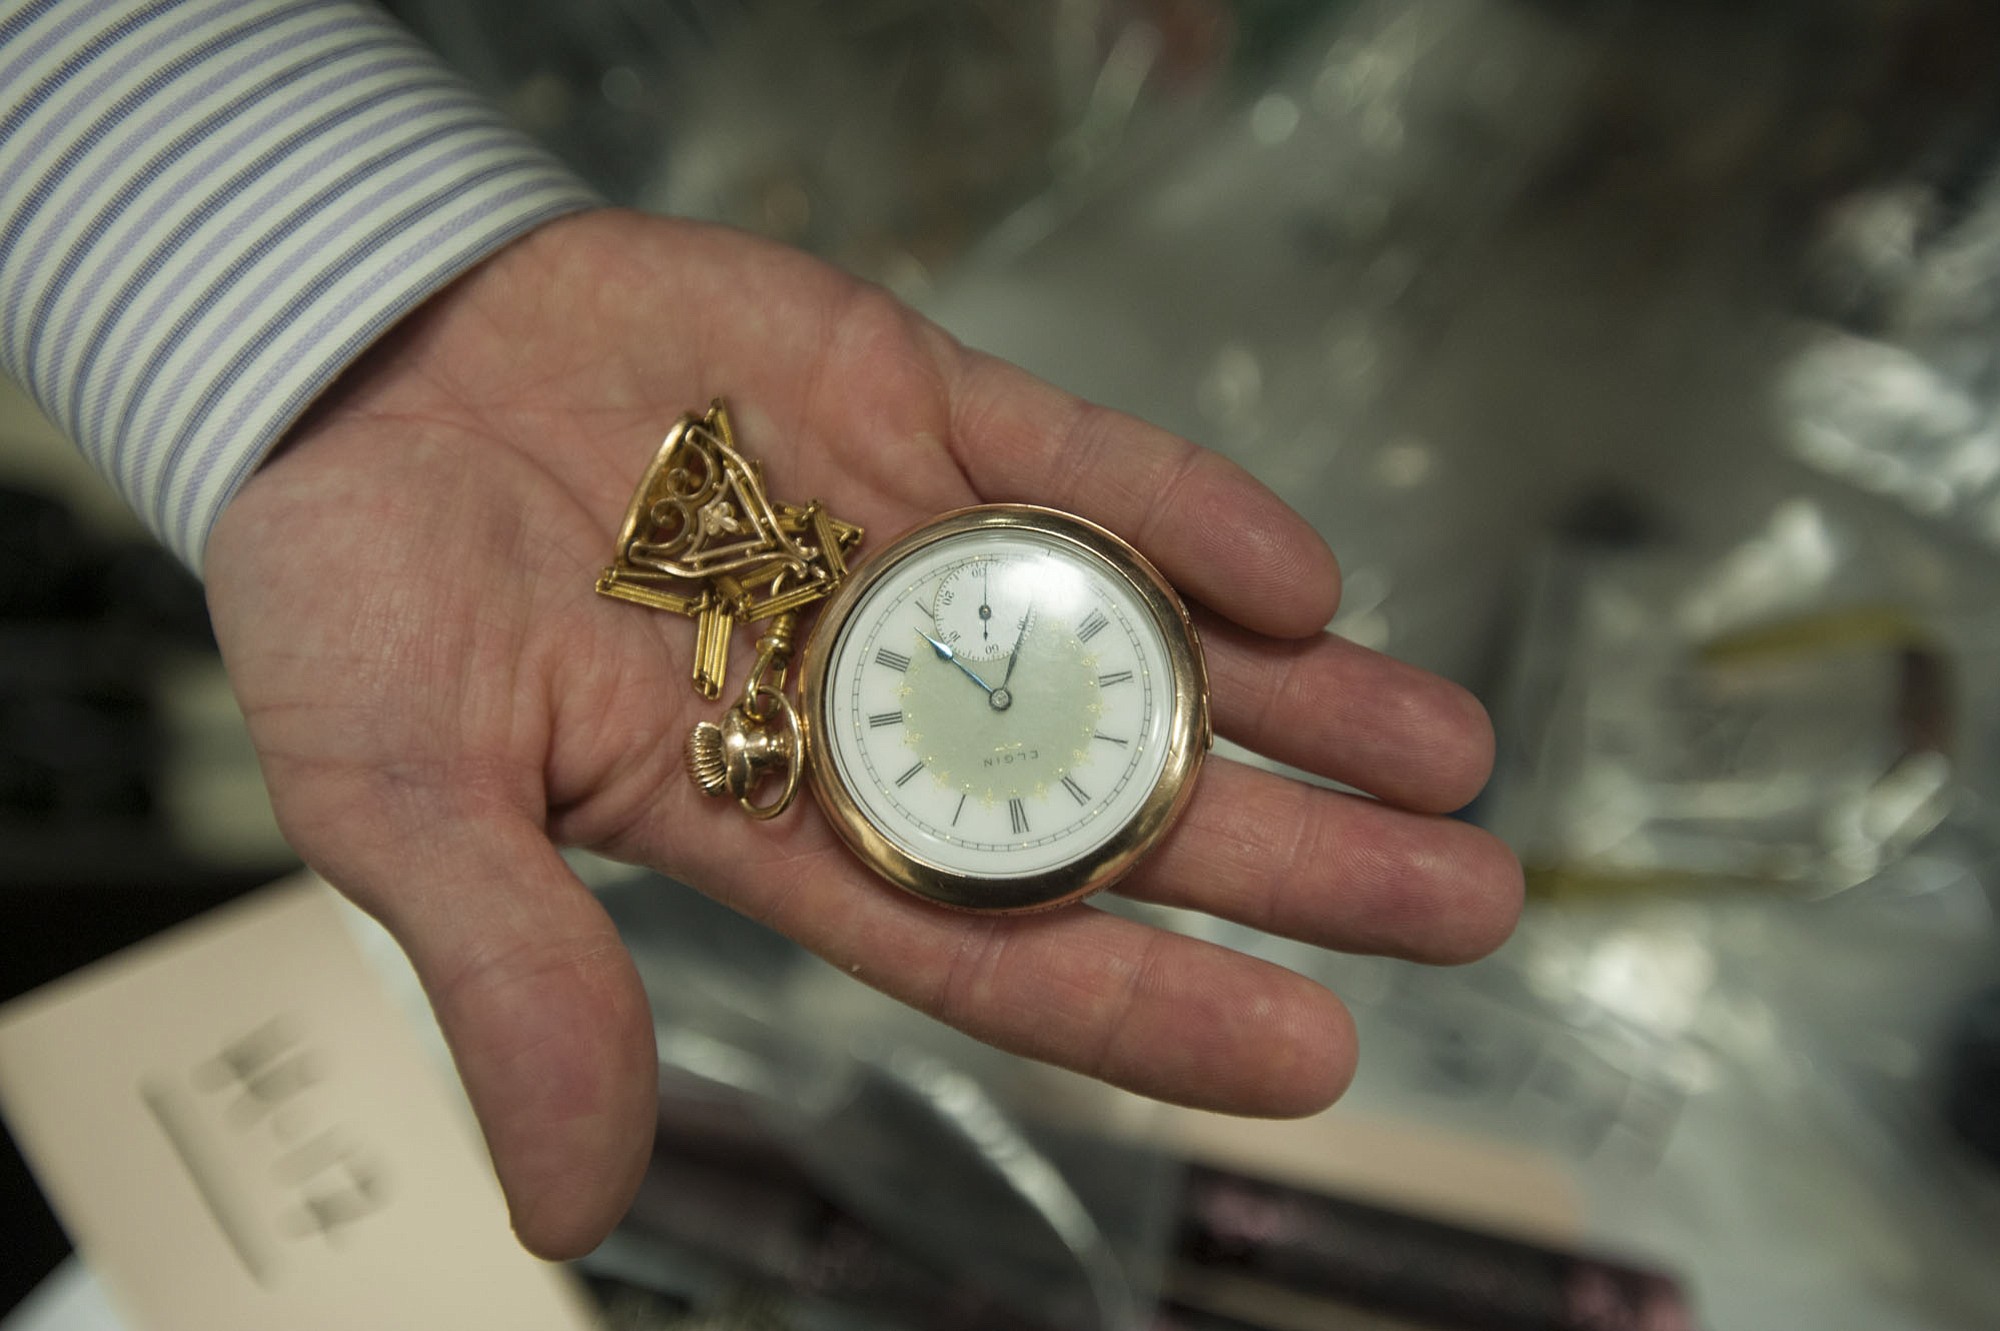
(822, 1139)
(1806, 711)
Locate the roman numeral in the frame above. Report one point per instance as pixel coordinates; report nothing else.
(896, 661)
(880, 719)
(1017, 815)
(1115, 677)
(1111, 739)
(910, 775)
(1092, 626)
(1069, 784)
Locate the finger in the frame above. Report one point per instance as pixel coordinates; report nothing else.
(1332, 707)
(1156, 1013)
(1213, 530)
(1334, 870)
(536, 995)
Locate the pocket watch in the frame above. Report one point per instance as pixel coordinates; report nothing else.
(1001, 711)
(1004, 709)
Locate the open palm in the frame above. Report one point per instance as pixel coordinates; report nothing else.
(403, 597)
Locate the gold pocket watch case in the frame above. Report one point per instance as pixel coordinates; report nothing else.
(1004, 709)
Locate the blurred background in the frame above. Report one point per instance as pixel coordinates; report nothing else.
(1641, 362)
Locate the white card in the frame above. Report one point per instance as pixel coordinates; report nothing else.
(241, 1133)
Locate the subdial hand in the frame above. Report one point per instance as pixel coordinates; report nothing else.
(1000, 698)
(985, 604)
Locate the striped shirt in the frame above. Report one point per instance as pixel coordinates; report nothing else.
(208, 208)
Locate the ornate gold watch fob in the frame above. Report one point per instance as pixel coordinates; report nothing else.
(1002, 712)
(702, 539)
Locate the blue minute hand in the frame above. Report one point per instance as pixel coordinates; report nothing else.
(1019, 637)
(945, 653)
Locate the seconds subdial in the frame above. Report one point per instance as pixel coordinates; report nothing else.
(983, 605)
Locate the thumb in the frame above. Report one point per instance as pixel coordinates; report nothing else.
(538, 999)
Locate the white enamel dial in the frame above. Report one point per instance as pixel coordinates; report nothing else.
(1000, 703)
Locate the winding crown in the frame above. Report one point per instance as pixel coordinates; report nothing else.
(706, 765)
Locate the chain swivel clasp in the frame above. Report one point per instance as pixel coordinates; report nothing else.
(758, 737)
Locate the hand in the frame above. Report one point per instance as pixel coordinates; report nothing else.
(403, 597)
(1020, 636)
(985, 601)
(945, 653)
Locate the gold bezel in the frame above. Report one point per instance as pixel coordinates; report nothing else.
(1188, 728)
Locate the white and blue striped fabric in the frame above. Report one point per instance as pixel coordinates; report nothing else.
(208, 208)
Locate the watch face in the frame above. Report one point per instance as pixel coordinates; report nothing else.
(1004, 709)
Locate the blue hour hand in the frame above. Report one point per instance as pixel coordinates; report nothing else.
(998, 697)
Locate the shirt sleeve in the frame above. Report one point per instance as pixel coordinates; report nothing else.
(208, 208)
